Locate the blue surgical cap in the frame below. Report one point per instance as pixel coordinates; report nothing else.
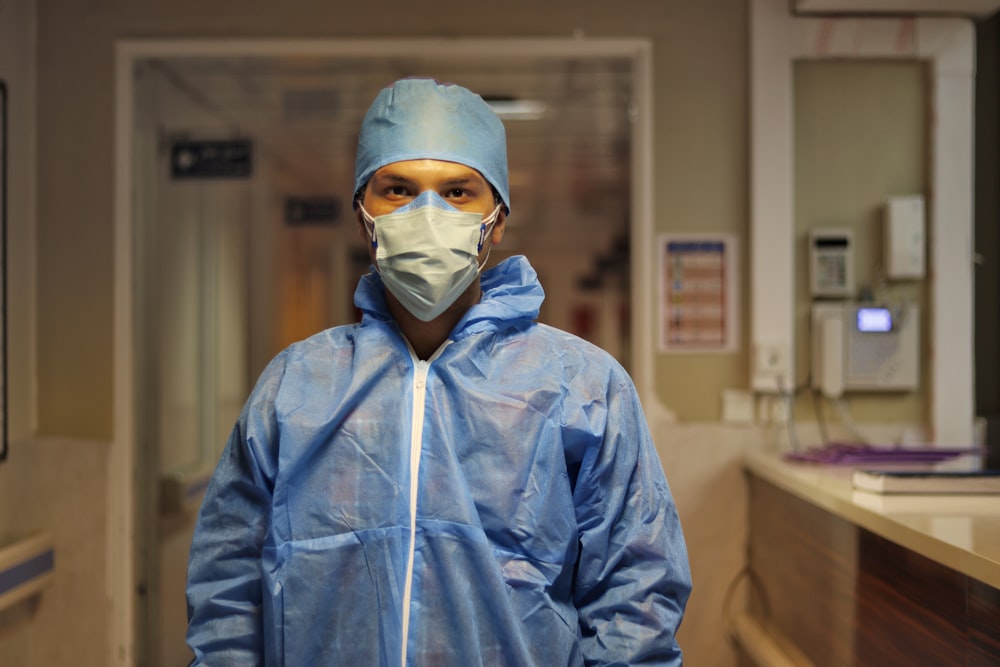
(417, 119)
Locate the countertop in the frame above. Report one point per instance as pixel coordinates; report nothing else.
(959, 532)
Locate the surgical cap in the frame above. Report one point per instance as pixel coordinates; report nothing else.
(417, 119)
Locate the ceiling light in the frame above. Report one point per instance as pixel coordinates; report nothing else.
(518, 109)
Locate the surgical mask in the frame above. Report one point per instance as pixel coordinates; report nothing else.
(427, 252)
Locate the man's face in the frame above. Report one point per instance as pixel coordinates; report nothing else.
(397, 184)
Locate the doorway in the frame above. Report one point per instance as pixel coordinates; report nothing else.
(237, 260)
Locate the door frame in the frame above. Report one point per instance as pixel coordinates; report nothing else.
(947, 45)
(121, 565)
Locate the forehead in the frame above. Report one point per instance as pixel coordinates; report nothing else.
(428, 171)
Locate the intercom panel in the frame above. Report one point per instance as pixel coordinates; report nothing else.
(831, 263)
(865, 347)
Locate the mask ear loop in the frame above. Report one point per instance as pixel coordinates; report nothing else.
(484, 230)
(369, 224)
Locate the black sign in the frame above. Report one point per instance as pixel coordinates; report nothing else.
(227, 158)
(312, 210)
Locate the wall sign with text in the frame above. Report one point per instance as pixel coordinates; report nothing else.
(698, 293)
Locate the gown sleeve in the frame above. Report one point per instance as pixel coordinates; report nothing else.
(633, 578)
(224, 586)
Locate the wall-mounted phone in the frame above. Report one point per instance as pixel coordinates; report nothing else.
(831, 263)
(865, 347)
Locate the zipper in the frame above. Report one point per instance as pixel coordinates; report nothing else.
(420, 371)
(416, 427)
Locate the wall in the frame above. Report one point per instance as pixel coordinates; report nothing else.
(18, 475)
(17, 69)
(55, 484)
(861, 130)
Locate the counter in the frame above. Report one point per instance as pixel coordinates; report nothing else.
(959, 532)
(855, 578)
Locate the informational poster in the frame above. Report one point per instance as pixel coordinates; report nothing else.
(698, 293)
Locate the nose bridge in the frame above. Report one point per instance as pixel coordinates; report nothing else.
(428, 196)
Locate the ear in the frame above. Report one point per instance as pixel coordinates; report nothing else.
(498, 228)
(362, 230)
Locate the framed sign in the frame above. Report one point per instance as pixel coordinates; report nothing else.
(698, 297)
(211, 159)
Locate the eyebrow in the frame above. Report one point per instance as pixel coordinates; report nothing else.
(451, 182)
(395, 178)
(464, 181)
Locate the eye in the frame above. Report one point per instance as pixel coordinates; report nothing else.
(396, 191)
(456, 193)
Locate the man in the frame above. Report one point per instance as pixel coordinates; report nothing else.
(447, 482)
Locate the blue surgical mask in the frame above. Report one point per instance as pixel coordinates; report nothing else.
(427, 252)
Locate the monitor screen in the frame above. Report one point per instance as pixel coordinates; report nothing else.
(874, 320)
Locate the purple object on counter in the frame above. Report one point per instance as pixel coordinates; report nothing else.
(841, 453)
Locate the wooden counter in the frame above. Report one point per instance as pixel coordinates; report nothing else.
(852, 578)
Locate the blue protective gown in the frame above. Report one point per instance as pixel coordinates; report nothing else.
(499, 504)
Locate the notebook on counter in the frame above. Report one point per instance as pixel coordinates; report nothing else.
(927, 481)
(928, 504)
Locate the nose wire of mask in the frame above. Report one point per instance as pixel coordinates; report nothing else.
(435, 200)
(425, 198)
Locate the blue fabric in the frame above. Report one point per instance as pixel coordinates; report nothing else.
(426, 198)
(545, 532)
(423, 119)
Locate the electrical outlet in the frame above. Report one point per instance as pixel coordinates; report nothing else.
(772, 368)
(772, 359)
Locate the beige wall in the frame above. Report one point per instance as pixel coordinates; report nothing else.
(17, 69)
(58, 483)
(861, 136)
(20, 514)
(700, 102)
